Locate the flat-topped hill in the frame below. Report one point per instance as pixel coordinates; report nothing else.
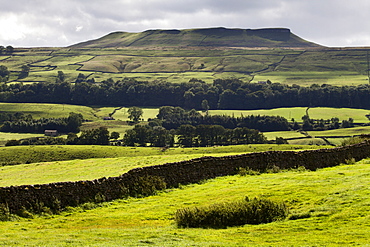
(207, 37)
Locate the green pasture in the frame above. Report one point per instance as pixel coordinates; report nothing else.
(122, 114)
(285, 134)
(342, 132)
(4, 136)
(334, 216)
(297, 113)
(119, 63)
(45, 164)
(311, 141)
(112, 125)
(307, 78)
(40, 110)
(22, 154)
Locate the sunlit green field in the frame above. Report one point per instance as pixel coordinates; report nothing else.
(39, 110)
(334, 216)
(358, 115)
(45, 164)
(304, 78)
(342, 132)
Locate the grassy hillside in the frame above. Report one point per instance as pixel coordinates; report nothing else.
(207, 54)
(215, 37)
(335, 216)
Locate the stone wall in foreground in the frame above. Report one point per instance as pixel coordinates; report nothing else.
(60, 195)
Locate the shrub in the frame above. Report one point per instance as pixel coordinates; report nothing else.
(255, 211)
(350, 161)
(5, 214)
(247, 171)
(351, 141)
(12, 143)
(273, 169)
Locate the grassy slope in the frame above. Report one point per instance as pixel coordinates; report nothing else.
(338, 214)
(38, 110)
(101, 161)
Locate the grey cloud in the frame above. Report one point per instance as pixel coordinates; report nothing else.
(64, 22)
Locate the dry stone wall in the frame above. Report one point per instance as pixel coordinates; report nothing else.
(60, 195)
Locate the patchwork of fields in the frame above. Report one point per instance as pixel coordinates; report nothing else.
(287, 66)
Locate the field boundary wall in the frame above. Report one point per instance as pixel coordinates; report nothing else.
(64, 194)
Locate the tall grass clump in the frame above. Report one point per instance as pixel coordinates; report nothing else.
(222, 215)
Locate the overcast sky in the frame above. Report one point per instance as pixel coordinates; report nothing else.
(26, 23)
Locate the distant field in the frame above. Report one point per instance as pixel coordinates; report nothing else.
(297, 113)
(38, 110)
(304, 78)
(303, 67)
(284, 134)
(342, 132)
(122, 114)
(4, 137)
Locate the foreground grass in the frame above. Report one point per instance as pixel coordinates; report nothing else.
(334, 216)
(92, 162)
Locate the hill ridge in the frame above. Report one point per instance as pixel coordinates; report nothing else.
(201, 37)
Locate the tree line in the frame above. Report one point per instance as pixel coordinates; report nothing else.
(20, 123)
(8, 50)
(191, 136)
(195, 94)
(99, 136)
(173, 117)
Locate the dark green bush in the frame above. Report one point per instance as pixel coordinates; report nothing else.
(255, 211)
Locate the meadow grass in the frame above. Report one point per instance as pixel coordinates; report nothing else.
(5, 136)
(122, 114)
(112, 125)
(285, 134)
(73, 163)
(40, 110)
(308, 141)
(334, 216)
(339, 133)
(342, 132)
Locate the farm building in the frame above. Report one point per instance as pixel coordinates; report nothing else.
(51, 132)
(108, 118)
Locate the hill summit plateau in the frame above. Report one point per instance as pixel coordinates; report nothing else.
(205, 37)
